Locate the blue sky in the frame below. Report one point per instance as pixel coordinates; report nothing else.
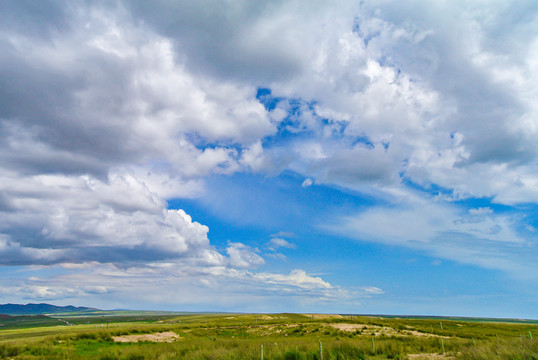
(350, 157)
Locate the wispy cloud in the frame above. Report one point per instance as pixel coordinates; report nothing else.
(277, 242)
(447, 231)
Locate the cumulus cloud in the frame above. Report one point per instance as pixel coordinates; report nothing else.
(108, 110)
(121, 95)
(243, 256)
(101, 124)
(428, 105)
(85, 216)
(361, 74)
(252, 41)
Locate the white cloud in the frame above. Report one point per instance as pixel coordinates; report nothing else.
(277, 242)
(185, 286)
(296, 277)
(359, 67)
(84, 216)
(243, 256)
(308, 182)
(452, 113)
(167, 185)
(106, 111)
(481, 211)
(372, 290)
(434, 108)
(253, 158)
(446, 231)
(278, 256)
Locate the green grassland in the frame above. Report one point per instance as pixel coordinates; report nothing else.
(273, 336)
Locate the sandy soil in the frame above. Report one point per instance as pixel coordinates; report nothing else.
(351, 327)
(429, 357)
(157, 337)
(378, 330)
(324, 316)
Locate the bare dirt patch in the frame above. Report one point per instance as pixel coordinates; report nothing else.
(429, 357)
(168, 336)
(350, 327)
(324, 316)
(366, 329)
(265, 330)
(381, 330)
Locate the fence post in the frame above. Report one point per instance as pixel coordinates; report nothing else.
(373, 345)
(530, 334)
(320, 351)
(443, 345)
(261, 352)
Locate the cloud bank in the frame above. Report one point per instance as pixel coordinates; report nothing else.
(109, 110)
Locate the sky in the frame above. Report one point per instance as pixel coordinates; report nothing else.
(367, 157)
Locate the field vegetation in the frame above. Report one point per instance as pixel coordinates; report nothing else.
(265, 336)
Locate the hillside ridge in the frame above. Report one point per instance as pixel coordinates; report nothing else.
(40, 309)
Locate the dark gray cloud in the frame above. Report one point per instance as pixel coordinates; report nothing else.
(91, 91)
(40, 108)
(227, 38)
(103, 92)
(359, 165)
(39, 19)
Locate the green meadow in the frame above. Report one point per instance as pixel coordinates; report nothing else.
(138, 336)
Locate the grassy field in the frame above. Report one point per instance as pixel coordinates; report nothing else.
(273, 336)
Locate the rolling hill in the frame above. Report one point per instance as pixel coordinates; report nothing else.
(39, 309)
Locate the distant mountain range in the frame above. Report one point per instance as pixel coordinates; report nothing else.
(38, 309)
